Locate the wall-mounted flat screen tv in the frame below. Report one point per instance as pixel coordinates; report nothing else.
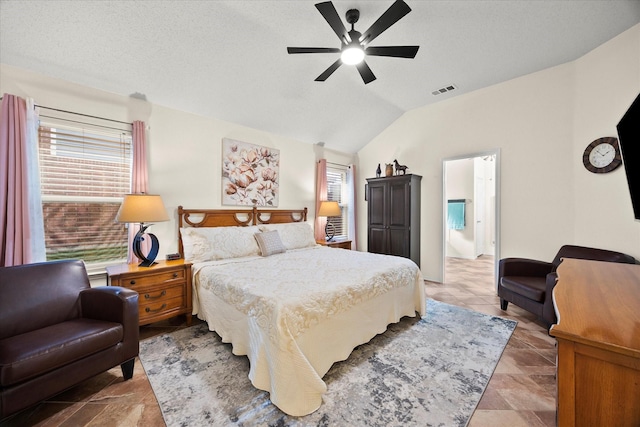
(629, 139)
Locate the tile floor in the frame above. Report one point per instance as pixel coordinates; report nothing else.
(520, 393)
(522, 390)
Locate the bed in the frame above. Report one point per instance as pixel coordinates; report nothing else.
(293, 307)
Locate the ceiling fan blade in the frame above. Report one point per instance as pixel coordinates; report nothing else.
(330, 15)
(392, 15)
(313, 50)
(365, 72)
(325, 75)
(394, 51)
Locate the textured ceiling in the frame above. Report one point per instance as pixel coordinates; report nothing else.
(228, 59)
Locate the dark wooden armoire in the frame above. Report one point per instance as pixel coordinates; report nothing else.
(393, 216)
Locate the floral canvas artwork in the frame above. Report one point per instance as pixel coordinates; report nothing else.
(250, 174)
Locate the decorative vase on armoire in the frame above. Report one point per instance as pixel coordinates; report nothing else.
(393, 216)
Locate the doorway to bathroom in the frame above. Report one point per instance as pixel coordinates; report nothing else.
(471, 220)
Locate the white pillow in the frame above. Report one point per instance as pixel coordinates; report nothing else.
(294, 235)
(269, 243)
(212, 243)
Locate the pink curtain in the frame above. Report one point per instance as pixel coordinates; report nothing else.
(139, 180)
(140, 175)
(15, 240)
(351, 220)
(321, 195)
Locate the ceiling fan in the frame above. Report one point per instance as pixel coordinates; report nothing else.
(355, 45)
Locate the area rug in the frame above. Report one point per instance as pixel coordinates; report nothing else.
(420, 372)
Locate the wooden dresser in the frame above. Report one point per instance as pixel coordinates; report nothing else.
(164, 289)
(598, 333)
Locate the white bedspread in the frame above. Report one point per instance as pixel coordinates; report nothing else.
(294, 314)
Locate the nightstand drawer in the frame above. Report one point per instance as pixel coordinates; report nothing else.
(137, 282)
(159, 308)
(154, 295)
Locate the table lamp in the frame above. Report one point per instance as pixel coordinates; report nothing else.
(143, 208)
(329, 209)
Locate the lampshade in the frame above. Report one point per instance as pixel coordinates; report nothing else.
(142, 208)
(329, 209)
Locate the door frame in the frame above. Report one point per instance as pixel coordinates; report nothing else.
(494, 152)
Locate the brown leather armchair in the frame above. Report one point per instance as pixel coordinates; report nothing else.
(56, 331)
(529, 283)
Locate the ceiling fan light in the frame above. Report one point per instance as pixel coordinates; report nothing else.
(352, 55)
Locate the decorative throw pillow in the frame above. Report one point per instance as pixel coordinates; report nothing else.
(214, 243)
(294, 235)
(269, 243)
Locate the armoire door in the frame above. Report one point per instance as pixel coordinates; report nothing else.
(398, 218)
(377, 228)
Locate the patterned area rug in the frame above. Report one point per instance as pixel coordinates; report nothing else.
(420, 372)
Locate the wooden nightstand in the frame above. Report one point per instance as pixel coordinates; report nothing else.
(342, 244)
(164, 288)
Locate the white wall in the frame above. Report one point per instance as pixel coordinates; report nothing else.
(460, 185)
(607, 82)
(488, 167)
(541, 122)
(185, 165)
(184, 150)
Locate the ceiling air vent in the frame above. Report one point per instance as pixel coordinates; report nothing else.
(444, 90)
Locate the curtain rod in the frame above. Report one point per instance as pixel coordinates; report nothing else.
(80, 114)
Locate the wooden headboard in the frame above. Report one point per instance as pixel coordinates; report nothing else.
(235, 217)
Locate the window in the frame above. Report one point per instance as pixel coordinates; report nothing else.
(337, 192)
(85, 171)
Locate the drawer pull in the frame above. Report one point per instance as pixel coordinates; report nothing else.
(163, 293)
(148, 310)
(175, 275)
(133, 282)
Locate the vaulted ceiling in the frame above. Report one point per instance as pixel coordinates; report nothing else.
(228, 59)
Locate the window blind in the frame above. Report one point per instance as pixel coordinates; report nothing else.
(85, 171)
(336, 186)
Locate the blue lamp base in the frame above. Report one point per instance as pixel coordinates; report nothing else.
(329, 231)
(149, 259)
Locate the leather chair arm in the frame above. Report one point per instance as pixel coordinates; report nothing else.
(109, 303)
(113, 304)
(523, 267)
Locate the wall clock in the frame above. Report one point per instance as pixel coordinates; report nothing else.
(602, 155)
